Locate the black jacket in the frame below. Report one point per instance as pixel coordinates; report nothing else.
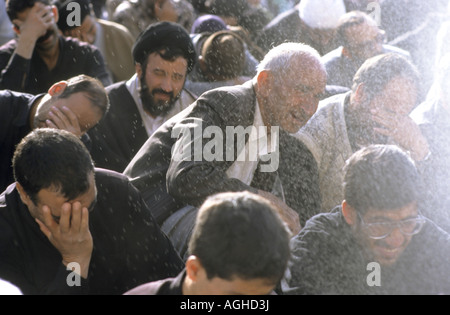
(129, 247)
(120, 134)
(328, 260)
(33, 76)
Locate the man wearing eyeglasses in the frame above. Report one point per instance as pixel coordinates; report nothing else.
(378, 224)
(360, 39)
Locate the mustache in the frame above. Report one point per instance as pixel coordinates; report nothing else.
(160, 91)
(45, 36)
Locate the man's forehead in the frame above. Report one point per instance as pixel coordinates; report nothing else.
(407, 211)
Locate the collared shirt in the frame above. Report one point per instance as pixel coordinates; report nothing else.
(153, 123)
(258, 145)
(14, 125)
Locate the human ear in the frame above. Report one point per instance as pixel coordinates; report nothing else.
(193, 267)
(138, 68)
(23, 195)
(57, 88)
(265, 82)
(349, 213)
(55, 13)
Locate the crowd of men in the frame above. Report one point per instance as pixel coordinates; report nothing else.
(162, 147)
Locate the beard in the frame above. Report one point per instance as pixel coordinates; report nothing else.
(153, 107)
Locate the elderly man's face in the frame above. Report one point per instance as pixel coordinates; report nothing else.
(294, 97)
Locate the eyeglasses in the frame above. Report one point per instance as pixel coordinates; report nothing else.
(381, 230)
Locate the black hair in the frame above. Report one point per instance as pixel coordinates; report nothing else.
(92, 88)
(378, 71)
(52, 159)
(14, 7)
(240, 235)
(381, 177)
(347, 21)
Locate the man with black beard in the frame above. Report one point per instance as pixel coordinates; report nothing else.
(163, 56)
(40, 56)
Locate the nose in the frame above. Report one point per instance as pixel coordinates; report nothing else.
(310, 105)
(166, 84)
(396, 239)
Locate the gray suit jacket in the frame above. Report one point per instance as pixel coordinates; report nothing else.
(169, 184)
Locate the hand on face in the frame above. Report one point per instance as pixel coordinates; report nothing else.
(70, 235)
(403, 130)
(37, 22)
(64, 119)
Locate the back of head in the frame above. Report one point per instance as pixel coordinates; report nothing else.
(349, 20)
(381, 177)
(66, 8)
(52, 158)
(13, 7)
(378, 71)
(240, 235)
(321, 14)
(224, 54)
(169, 37)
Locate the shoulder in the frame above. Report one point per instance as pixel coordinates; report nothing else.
(117, 89)
(111, 183)
(231, 97)
(160, 287)
(332, 57)
(397, 50)
(116, 27)
(76, 46)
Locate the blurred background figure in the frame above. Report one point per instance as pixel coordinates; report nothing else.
(6, 28)
(413, 25)
(207, 24)
(312, 22)
(360, 39)
(137, 15)
(221, 62)
(112, 39)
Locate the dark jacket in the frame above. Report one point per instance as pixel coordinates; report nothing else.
(328, 260)
(129, 248)
(33, 76)
(169, 185)
(170, 286)
(120, 134)
(14, 125)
